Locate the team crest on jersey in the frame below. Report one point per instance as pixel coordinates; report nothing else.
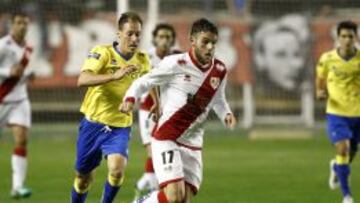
(94, 55)
(214, 82)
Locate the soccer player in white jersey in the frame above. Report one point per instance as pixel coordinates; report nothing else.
(191, 84)
(14, 103)
(164, 36)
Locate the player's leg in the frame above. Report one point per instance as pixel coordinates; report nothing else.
(354, 142)
(193, 170)
(173, 192)
(88, 157)
(116, 150)
(168, 167)
(148, 180)
(189, 193)
(19, 162)
(116, 168)
(340, 134)
(353, 150)
(81, 187)
(342, 166)
(20, 121)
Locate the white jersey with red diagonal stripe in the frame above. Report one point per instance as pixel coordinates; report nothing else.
(12, 53)
(188, 92)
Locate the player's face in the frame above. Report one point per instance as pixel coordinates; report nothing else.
(347, 39)
(129, 37)
(164, 39)
(203, 44)
(19, 26)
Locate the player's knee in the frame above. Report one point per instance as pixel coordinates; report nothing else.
(20, 137)
(343, 148)
(116, 166)
(116, 172)
(82, 182)
(21, 143)
(148, 150)
(175, 195)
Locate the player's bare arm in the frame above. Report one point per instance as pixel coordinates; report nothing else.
(321, 90)
(88, 78)
(155, 109)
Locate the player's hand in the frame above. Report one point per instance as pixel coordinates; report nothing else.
(155, 113)
(321, 94)
(32, 76)
(120, 73)
(230, 121)
(126, 107)
(17, 71)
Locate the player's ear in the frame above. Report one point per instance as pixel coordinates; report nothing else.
(192, 39)
(119, 32)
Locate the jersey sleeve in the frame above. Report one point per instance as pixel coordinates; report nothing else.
(96, 59)
(5, 69)
(220, 105)
(156, 77)
(321, 67)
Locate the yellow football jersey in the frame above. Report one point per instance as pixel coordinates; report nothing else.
(343, 83)
(101, 102)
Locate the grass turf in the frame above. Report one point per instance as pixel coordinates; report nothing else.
(236, 170)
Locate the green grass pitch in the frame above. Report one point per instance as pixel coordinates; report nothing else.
(236, 170)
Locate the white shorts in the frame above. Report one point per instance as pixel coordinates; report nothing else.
(18, 113)
(173, 163)
(146, 125)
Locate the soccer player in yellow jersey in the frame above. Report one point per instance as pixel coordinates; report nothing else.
(108, 71)
(338, 80)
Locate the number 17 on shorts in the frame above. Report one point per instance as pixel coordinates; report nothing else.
(167, 161)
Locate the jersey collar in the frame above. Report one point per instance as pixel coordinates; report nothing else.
(203, 68)
(119, 53)
(347, 59)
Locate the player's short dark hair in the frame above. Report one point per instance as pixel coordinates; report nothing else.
(17, 14)
(128, 16)
(203, 25)
(164, 26)
(348, 25)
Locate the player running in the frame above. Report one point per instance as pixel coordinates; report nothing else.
(108, 71)
(163, 40)
(338, 80)
(190, 85)
(15, 109)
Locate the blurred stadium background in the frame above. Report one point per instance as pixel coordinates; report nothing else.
(270, 47)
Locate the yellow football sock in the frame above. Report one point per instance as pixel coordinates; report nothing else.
(77, 188)
(342, 160)
(116, 182)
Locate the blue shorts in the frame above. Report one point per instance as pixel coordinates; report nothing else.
(344, 128)
(96, 140)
